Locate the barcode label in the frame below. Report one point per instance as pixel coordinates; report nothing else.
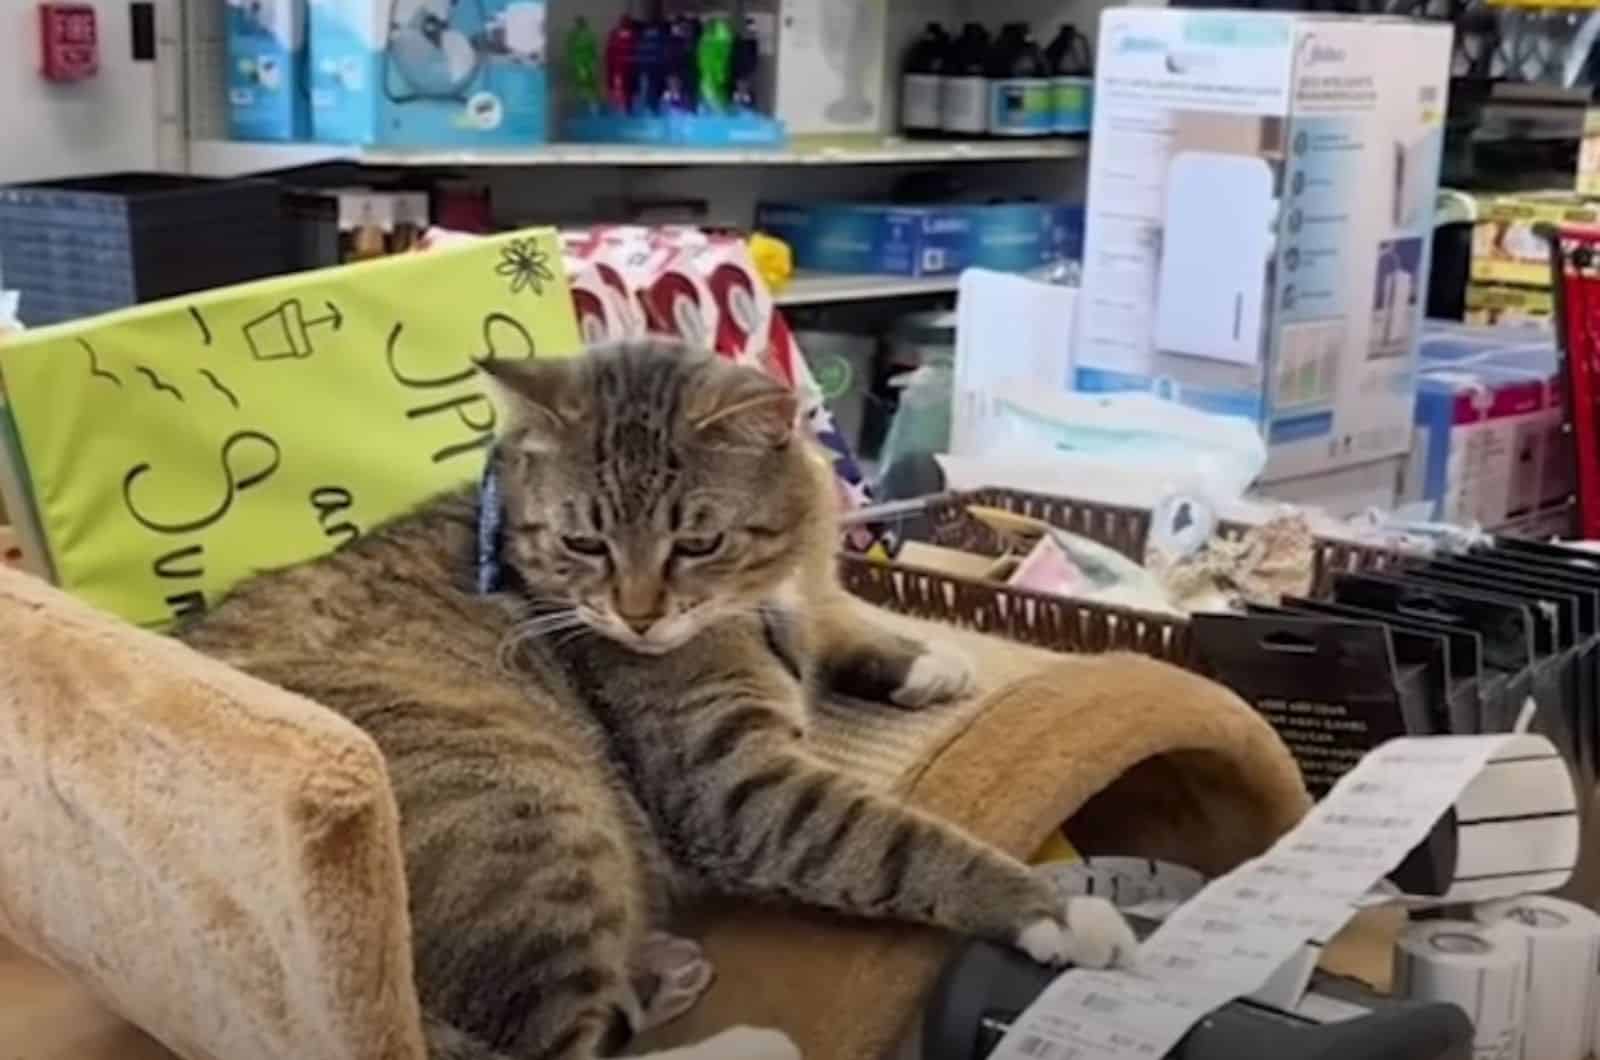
(1038, 1048)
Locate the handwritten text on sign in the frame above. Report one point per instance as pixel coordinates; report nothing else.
(179, 447)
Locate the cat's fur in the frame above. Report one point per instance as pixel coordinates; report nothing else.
(629, 724)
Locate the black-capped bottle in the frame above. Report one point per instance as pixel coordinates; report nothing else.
(1071, 80)
(1020, 102)
(964, 88)
(921, 81)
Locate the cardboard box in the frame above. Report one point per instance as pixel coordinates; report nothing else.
(1588, 182)
(428, 73)
(925, 240)
(1495, 304)
(1506, 248)
(1489, 447)
(269, 94)
(1260, 212)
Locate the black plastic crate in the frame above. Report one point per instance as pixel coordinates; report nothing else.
(78, 247)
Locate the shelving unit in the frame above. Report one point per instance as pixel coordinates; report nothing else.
(817, 288)
(227, 158)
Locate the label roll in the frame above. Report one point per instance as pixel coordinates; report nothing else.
(1474, 966)
(1560, 943)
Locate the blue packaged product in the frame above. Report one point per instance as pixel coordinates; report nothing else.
(269, 97)
(925, 240)
(428, 73)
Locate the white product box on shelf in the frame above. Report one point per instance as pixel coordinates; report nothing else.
(1259, 216)
(826, 61)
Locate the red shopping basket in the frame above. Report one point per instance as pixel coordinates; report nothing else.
(1575, 260)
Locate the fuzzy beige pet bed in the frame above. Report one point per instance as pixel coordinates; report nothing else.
(217, 860)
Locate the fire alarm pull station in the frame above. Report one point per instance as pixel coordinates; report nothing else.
(69, 48)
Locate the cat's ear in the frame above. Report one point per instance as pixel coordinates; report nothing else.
(745, 406)
(536, 393)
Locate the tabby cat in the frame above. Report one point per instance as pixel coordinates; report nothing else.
(624, 723)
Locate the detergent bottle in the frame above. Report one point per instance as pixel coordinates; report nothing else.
(964, 88)
(920, 81)
(1019, 86)
(1071, 80)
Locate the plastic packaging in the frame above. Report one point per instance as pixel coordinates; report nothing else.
(1215, 457)
(921, 81)
(964, 89)
(1020, 102)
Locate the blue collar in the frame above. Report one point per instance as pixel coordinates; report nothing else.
(490, 575)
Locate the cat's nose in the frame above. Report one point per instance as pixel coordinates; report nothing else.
(640, 624)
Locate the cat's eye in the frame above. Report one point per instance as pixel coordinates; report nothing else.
(697, 547)
(584, 546)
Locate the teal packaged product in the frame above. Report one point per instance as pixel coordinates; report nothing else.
(925, 240)
(269, 95)
(921, 81)
(429, 73)
(964, 88)
(1071, 80)
(1020, 102)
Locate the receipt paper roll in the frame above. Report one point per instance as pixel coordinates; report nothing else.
(1475, 967)
(1560, 943)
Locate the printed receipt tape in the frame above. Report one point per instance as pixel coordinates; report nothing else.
(1232, 937)
(1151, 889)
(1477, 968)
(1559, 945)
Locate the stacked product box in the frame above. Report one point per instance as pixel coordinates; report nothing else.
(426, 73)
(268, 91)
(1489, 448)
(1259, 221)
(1511, 261)
(928, 240)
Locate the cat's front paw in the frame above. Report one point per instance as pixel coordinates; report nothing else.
(1095, 935)
(936, 676)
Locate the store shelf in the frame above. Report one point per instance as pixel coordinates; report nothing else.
(226, 158)
(817, 288)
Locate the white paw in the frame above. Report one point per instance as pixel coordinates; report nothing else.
(748, 1043)
(936, 676)
(1094, 936)
(1044, 940)
(1097, 934)
(676, 972)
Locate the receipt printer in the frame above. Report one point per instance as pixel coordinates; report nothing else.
(984, 988)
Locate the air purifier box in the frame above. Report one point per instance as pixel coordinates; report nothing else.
(428, 73)
(269, 93)
(824, 64)
(1259, 218)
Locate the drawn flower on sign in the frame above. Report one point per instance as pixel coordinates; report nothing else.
(525, 266)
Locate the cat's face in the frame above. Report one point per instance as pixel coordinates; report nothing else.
(650, 489)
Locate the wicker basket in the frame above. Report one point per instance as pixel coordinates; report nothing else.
(1042, 619)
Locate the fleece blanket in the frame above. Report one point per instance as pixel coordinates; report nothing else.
(216, 860)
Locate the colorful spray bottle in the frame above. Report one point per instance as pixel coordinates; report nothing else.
(621, 48)
(712, 59)
(583, 66)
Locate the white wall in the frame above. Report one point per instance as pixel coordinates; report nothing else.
(111, 122)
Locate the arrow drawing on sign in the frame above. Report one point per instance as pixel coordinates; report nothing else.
(285, 332)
